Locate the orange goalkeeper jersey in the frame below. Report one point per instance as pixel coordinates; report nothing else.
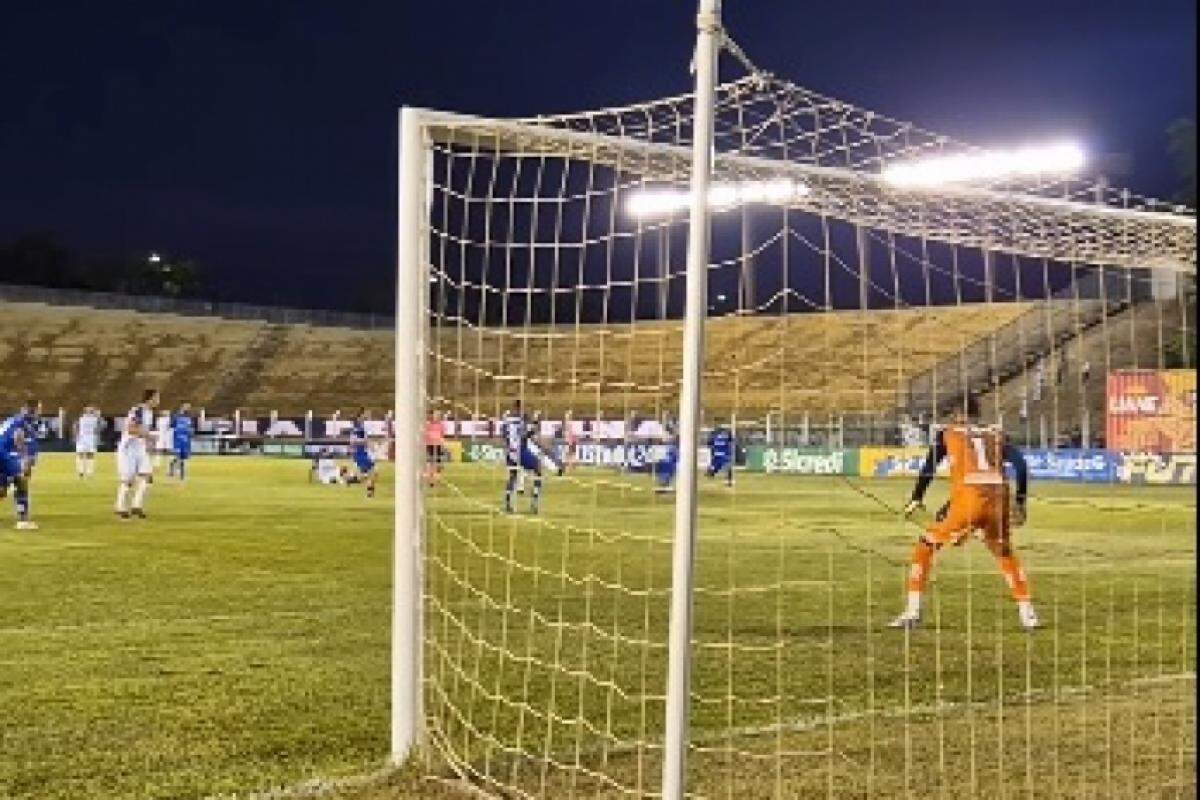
(976, 455)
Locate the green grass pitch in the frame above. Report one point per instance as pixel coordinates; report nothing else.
(237, 641)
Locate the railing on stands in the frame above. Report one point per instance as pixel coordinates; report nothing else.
(194, 308)
(1001, 354)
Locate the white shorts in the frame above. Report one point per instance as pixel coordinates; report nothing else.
(133, 460)
(86, 445)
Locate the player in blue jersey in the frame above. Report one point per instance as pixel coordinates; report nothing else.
(721, 453)
(520, 454)
(14, 464)
(34, 427)
(358, 450)
(181, 441)
(667, 463)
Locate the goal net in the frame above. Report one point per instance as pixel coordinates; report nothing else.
(847, 317)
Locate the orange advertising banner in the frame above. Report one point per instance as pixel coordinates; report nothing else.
(1152, 411)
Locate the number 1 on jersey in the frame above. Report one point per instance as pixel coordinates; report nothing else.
(981, 460)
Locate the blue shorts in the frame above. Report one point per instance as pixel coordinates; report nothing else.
(183, 449)
(363, 461)
(526, 459)
(719, 463)
(665, 469)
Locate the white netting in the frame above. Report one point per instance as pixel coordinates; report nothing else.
(840, 326)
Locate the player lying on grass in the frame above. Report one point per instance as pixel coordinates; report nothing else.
(15, 467)
(979, 501)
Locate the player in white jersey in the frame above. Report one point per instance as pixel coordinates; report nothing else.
(133, 457)
(87, 437)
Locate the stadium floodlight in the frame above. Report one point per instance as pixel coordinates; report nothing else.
(1058, 158)
(154, 258)
(721, 196)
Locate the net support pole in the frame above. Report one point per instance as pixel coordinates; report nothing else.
(708, 26)
(411, 287)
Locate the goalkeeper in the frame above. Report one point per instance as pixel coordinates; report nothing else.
(979, 501)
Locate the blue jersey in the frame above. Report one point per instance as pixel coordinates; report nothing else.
(181, 428)
(513, 430)
(720, 442)
(358, 448)
(33, 427)
(358, 439)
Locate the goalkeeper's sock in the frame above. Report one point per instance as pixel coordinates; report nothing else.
(918, 573)
(913, 607)
(1014, 576)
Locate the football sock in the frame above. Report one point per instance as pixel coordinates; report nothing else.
(508, 489)
(1014, 576)
(21, 500)
(537, 492)
(122, 497)
(918, 573)
(139, 492)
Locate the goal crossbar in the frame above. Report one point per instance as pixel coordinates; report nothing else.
(1026, 225)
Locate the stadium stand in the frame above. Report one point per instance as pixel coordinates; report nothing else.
(874, 362)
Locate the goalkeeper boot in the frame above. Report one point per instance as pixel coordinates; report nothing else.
(1029, 617)
(906, 621)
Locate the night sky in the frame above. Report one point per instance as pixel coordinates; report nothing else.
(259, 137)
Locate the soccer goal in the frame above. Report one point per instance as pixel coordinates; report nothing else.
(621, 286)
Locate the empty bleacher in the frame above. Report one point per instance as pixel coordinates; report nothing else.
(755, 365)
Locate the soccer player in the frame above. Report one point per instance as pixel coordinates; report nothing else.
(87, 436)
(572, 437)
(666, 466)
(31, 412)
(435, 439)
(14, 465)
(181, 441)
(358, 447)
(979, 500)
(721, 456)
(134, 470)
(519, 456)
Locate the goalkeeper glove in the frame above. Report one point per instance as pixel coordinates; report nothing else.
(912, 507)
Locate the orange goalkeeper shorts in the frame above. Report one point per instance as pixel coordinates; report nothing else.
(975, 508)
